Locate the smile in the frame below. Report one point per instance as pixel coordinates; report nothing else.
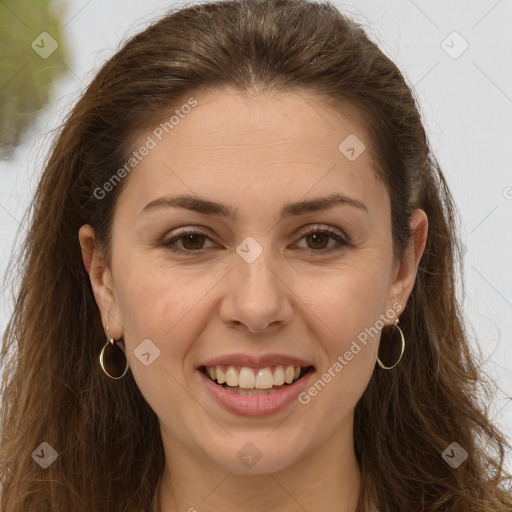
(246, 391)
(254, 378)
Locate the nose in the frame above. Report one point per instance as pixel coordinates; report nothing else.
(257, 297)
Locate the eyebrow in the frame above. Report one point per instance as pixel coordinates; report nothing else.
(204, 206)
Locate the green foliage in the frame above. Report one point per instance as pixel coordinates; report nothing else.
(26, 72)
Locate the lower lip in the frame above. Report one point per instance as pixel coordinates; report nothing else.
(256, 405)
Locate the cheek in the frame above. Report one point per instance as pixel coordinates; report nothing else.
(165, 308)
(349, 319)
(154, 293)
(163, 305)
(350, 300)
(349, 331)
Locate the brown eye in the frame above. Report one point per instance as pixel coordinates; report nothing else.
(319, 240)
(193, 241)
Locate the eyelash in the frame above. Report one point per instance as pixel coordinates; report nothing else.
(313, 230)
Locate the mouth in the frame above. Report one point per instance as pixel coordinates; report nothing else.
(245, 380)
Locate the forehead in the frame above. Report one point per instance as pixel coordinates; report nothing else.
(255, 147)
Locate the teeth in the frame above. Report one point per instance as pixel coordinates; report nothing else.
(254, 378)
(231, 376)
(246, 379)
(264, 379)
(279, 376)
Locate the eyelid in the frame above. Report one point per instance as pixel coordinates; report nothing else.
(314, 228)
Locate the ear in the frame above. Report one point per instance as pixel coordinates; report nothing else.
(405, 270)
(101, 282)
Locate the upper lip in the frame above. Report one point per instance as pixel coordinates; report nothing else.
(255, 361)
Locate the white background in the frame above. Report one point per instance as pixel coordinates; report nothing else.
(466, 103)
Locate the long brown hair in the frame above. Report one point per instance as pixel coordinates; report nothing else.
(110, 453)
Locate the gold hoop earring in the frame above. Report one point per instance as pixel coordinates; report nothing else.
(392, 350)
(112, 359)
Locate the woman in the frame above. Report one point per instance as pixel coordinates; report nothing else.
(239, 286)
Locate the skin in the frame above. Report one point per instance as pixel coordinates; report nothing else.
(254, 153)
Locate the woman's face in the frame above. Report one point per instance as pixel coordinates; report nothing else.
(265, 283)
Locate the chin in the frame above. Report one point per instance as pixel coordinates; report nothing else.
(256, 457)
